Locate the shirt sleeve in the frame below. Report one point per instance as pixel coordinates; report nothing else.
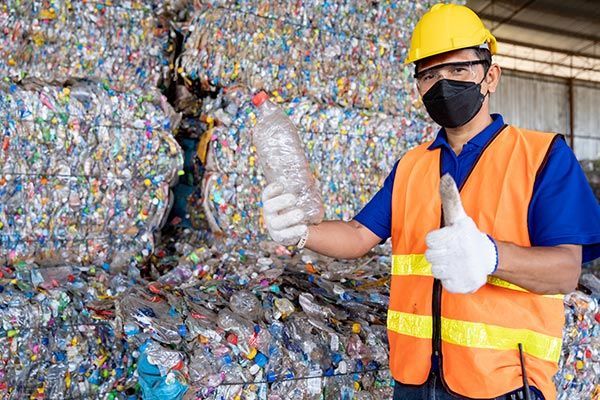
(563, 208)
(376, 215)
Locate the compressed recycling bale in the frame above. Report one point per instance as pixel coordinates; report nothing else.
(84, 173)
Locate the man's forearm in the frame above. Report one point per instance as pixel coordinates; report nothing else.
(341, 239)
(544, 270)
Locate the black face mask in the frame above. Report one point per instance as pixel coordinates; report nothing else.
(453, 103)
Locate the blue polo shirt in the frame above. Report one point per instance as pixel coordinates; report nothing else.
(563, 208)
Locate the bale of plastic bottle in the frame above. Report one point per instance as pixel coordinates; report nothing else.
(85, 173)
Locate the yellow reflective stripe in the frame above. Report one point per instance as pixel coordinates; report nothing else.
(483, 336)
(417, 264)
(420, 326)
(410, 264)
(477, 335)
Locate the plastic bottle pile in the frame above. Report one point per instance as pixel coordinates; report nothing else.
(84, 173)
(220, 323)
(85, 176)
(579, 370)
(244, 325)
(350, 53)
(217, 325)
(124, 43)
(58, 334)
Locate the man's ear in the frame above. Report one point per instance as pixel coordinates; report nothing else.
(493, 77)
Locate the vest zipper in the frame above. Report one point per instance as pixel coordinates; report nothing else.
(437, 336)
(437, 333)
(436, 308)
(437, 325)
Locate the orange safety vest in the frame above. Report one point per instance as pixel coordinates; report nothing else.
(476, 336)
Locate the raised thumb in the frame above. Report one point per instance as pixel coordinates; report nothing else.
(451, 203)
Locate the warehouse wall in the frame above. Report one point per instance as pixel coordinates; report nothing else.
(542, 103)
(587, 121)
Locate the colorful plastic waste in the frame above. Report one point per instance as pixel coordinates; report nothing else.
(335, 68)
(579, 369)
(252, 322)
(213, 325)
(349, 53)
(210, 322)
(84, 173)
(84, 186)
(122, 43)
(58, 335)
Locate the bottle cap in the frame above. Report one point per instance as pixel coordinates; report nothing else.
(271, 376)
(251, 354)
(260, 98)
(261, 360)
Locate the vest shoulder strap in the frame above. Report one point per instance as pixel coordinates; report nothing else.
(412, 155)
(535, 136)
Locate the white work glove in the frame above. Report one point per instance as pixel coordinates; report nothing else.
(283, 219)
(461, 256)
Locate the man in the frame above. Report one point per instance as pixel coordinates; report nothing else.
(475, 308)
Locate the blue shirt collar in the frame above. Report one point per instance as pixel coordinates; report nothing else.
(479, 140)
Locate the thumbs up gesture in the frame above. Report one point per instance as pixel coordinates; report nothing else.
(461, 256)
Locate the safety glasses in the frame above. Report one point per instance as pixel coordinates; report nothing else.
(458, 71)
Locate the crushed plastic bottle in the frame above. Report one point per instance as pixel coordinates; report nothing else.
(282, 157)
(578, 376)
(90, 330)
(84, 173)
(122, 43)
(246, 304)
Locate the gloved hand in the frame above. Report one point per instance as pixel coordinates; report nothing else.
(461, 256)
(284, 221)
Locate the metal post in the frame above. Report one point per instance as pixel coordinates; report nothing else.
(571, 116)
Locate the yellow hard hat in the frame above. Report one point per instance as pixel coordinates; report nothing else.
(448, 27)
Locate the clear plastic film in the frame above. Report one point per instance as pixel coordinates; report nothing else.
(143, 312)
(282, 158)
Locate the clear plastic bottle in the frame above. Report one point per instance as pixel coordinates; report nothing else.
(282, 158)
(246, 304)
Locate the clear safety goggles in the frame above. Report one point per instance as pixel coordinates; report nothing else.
(457, 71)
